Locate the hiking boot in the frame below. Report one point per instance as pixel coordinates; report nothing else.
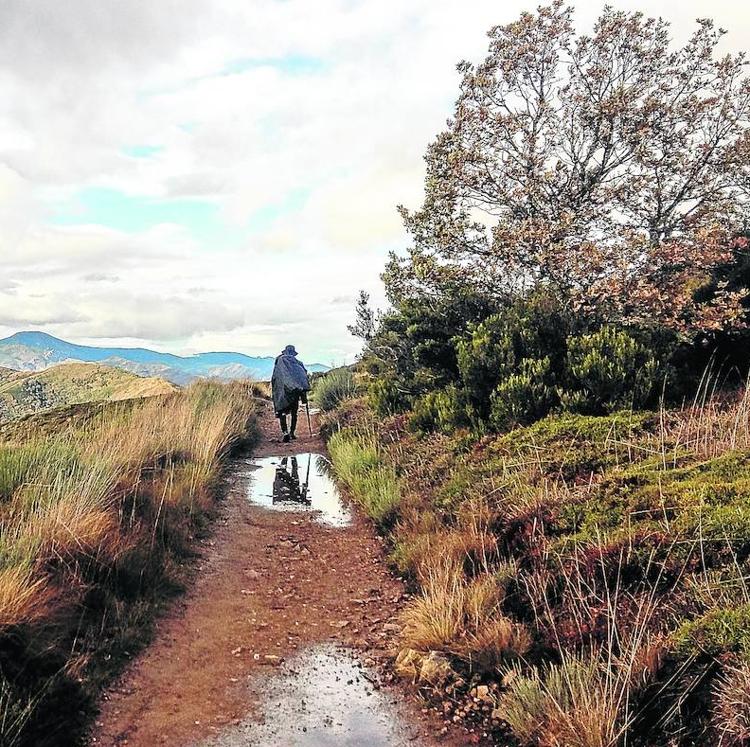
(285, 439)
(292, 436)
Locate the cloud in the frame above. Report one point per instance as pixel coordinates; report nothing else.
(100, 277)
(154, 317)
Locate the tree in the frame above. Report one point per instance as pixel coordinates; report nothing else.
(364, 319)
(610, 168)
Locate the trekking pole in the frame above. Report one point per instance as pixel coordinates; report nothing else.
(309, 422)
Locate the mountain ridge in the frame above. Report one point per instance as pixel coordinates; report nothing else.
(35, 351)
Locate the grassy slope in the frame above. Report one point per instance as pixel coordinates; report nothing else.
(590, 572)
(97, 505)
(22, 393)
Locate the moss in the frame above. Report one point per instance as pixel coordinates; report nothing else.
(575, 446)
(709, 499)
(716, 632)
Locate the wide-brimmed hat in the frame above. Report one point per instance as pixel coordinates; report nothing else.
(289, 350)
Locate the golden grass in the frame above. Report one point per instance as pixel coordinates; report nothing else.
(25, 597)
(463, 617)
(122, 485)
(731, 715)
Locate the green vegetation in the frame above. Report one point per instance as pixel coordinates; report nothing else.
(573, 566)
(24, 393)
(372, 483)
(578, 270)
(95, 512)
(332, 388)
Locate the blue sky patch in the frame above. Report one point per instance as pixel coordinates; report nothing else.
(292, 64)
(142, 151)
(201, 218)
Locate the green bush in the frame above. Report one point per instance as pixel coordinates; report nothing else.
(609, 370)
(443, 410)
(331, 389)
(523, 397)
(495, 350)
(387, 398)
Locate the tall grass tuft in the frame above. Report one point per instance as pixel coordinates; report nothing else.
(333, 388)
(372, 482)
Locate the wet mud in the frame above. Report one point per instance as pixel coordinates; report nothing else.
(322, 696)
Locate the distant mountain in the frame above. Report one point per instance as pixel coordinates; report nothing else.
(35, 351)
(24, 392)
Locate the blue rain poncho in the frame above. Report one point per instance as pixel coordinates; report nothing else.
(289, 380)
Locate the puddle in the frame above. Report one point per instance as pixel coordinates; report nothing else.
(323, 696)
(297, 483)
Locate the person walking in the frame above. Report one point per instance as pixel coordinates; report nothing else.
(289, 386)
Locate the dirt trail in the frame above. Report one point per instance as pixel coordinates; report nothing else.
(277, 594)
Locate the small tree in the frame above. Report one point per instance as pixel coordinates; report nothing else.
(365, 319)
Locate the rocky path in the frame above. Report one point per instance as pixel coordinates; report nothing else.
(281, 640)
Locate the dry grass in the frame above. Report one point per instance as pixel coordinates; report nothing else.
(24, 597)
(102, 501)
(711, 425)
(732, 705)
(463, 617)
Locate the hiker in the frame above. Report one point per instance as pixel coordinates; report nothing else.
(289, 385)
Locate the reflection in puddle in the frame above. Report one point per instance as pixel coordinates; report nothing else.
(297, 483)
(321, 697)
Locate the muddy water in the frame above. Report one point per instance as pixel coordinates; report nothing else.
(297, 483)
(322, 696)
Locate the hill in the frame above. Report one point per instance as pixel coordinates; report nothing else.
(23, 392)
(35, 351)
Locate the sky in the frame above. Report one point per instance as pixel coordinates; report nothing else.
(197, 175)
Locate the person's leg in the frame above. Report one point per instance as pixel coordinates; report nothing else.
(293, 413)
(282, 420)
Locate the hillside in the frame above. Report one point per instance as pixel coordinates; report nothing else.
(581, 575)
(23, 393)
(35, 351)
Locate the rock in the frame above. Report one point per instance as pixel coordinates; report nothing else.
(407, 664)
(483, 693)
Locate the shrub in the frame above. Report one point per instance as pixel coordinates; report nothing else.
(496, 350)
(387, 398)
(442, 410)
(609, 370)
(523, 397)
(331, 389)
